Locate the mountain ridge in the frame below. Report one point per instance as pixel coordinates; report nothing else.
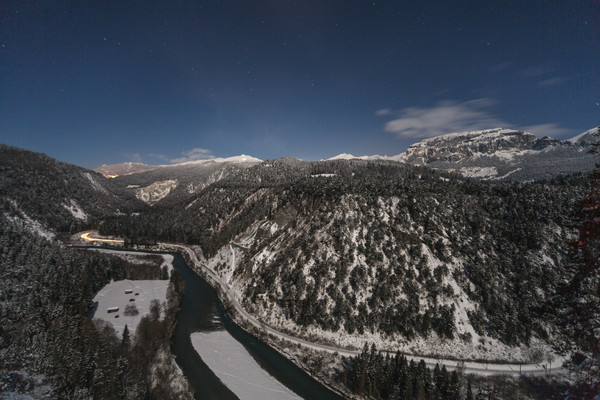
(130, 168)
(498, 154)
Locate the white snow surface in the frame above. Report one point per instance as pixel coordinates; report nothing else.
(76, 211)
(113, 295)
(346, 156)
(94, 183)
(479, 172)
(29, 224)
(582, 136)
(236, 368)
(243, 158)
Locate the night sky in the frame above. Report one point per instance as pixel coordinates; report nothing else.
(92, 82)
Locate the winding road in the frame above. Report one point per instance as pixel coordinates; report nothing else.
(479, 368)
(86, 236)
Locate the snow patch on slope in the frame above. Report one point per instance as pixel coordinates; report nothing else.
(476, 172)
(156, 191)
(76, 211)
(26, 223)
(585, 136)
(95, 184)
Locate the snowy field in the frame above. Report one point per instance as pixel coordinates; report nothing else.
(114, 295)
(236, 368)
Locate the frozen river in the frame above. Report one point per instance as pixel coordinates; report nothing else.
(222, 361)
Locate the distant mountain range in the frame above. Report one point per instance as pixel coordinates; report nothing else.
(498, 154)
(503, 154)
(169, 184)
(129, 168)
(492, 154)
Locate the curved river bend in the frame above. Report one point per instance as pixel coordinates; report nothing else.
(202, 311)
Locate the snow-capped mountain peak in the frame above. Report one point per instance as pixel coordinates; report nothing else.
(242, 158)
(502, 153)
(346, 156)
(342, 156)
(584, 137)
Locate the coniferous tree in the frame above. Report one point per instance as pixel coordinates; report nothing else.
(125, 340)
(469, 391)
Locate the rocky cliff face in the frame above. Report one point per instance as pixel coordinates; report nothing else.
(506, 154)
(460, 146)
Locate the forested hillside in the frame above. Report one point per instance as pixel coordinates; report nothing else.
(60, 196)
(380, 248)
(49, 348)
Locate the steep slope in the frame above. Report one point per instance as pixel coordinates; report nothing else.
(503, 154)
(61, 197)
(156, 191)
(358, 251)
(50, 349)
(183, 181)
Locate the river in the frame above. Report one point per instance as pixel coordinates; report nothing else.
(202, 311)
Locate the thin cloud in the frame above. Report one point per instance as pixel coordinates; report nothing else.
(536, 71)
(551, 129)
(502, 66)
(550, 82)
(197, 153)
(136, 157)
(445, 117)
(159, 156)
(383, 111)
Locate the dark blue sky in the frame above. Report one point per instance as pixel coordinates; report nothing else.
(92, 82)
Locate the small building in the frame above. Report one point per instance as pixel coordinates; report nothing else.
(112, 309)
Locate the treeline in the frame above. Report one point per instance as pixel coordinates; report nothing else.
(375, 376)
(46, 293)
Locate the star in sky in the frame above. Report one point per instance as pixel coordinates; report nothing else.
(93, 83)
